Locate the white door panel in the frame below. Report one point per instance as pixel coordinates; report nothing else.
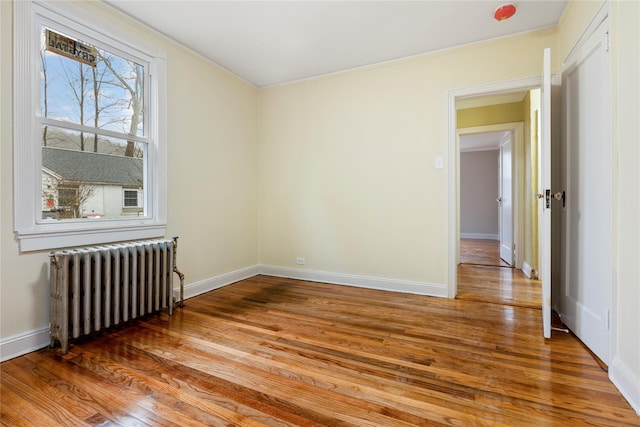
(544, 177)
(586, 287)
(505, 199)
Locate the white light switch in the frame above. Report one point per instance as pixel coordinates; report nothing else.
(438, 162)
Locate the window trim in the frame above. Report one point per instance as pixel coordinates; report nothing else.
(33, 233)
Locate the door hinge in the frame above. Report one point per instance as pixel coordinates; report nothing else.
(608, 320)
(606, 42)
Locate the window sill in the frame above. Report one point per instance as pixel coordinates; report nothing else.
(37, 241)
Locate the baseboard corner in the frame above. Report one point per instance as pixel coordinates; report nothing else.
(626, 382)
(212, 283)
(18, 345)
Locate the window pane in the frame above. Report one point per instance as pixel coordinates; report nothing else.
(130, 198)
(108, 94)
(78, 182)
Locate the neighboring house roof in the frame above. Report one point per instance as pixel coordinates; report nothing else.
(95, 168)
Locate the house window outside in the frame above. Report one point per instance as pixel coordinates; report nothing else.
(95, 132)
(131, 199)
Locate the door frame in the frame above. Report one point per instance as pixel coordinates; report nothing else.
(517, 167)
(454, 163)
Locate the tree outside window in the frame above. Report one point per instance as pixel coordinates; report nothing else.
(96, 107)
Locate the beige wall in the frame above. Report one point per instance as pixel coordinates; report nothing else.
(212, 177)
(347, 161)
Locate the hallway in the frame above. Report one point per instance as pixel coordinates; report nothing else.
(483, 276)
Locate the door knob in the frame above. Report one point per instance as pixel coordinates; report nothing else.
(560, 195)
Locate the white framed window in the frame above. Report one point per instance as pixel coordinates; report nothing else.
(131, 198)
(89, 121)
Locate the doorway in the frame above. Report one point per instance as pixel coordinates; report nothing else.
(481, 199)
(477, 252)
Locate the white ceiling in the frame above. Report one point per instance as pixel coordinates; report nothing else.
(273, 42)
(481, 141)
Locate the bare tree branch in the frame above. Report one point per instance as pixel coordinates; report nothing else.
(136, 101)
(76, 194)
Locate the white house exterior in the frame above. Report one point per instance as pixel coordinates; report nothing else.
(112, 184)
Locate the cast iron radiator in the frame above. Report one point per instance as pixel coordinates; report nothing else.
(94, 288)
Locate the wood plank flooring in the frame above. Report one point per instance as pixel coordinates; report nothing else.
(483, 276)
(498, 285)
(481, 252)
(281, 352)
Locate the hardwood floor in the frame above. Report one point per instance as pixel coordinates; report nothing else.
(280, 352)
(498, 285)
(481, 252)
(484, 277)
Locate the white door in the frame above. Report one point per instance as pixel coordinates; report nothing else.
(586, 288)
(544, 207)
(505, 199)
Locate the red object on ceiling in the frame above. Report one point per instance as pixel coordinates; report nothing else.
(504, 12)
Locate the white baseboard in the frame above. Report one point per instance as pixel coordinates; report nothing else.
(526, 269)
(20, 344)
(39, 338)
(216, 282)
(626, 382)
(479, 236)
(421, 288)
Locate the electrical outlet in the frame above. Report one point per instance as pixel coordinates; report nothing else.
(300, 260)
